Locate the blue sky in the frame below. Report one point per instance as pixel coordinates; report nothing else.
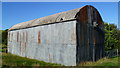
(60, 0)
(17, 12)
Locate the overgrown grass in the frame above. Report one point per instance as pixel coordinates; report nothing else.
(102, 62)
(13, 60)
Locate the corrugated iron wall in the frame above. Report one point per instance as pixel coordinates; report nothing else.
(90, 38)
(54, 43)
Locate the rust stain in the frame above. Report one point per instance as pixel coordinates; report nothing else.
(93, 17)
(20, 43)
(96, 16)
(99, 18)
(12, 37)
(47, 41)
(8, 36)
(26, 36)
(25, 45)
(73, 36)
(23, 36)
(45, 21)
(82, 33)
(17, 36)
(39, 37)
(50, 59)
(94, 40)
(20, 46)
(82, 15)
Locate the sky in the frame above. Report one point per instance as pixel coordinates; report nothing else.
(59, 0)
(17, 12)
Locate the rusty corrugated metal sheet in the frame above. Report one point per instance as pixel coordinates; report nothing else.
(90, 38)
(82, 15)
(56, 47)
(39, 37)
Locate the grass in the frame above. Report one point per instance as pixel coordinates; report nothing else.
(103, 62)
(13, 60)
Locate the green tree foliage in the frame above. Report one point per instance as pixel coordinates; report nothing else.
(3, 36)
(112, 36)
(0, 36)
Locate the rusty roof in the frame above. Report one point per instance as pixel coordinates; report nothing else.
(55, 18)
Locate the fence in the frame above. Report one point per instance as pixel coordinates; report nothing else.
(111, 53)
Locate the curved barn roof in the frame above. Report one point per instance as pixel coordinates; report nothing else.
(80, 13)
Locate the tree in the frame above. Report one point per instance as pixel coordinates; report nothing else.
(4, 36)
(112, 36)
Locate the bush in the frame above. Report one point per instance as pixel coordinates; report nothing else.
(3, 48)
(112, 37)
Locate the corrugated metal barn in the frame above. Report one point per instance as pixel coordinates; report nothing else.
(66, 38)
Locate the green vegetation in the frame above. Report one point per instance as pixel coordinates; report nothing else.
(3, 40)
(103, 62)
(3, 36)
(14, 60)
(112, 37)
(3, 48)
